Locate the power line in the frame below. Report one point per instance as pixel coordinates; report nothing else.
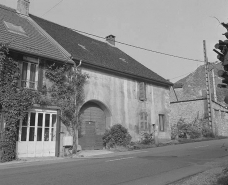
(180, 76)
(52, 8)
(158, 52)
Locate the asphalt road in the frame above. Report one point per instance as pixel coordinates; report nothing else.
(152, 166)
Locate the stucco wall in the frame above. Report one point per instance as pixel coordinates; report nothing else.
(120, 97)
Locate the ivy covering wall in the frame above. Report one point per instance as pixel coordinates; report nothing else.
(14, 102)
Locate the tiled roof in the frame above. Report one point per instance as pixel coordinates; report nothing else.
(97, 53)
(34, 42)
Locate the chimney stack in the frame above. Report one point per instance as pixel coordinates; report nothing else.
(23, 7)
(111, 39)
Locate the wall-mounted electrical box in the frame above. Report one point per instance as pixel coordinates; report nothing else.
(67, 141)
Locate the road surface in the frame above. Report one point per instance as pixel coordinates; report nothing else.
(154, 166)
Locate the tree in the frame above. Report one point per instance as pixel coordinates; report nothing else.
(14, 102)
(67, 92)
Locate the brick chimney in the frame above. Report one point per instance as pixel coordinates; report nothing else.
(23, 7)
(111, 39)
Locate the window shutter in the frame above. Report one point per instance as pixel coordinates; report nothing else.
(40, 75)
(142, 92)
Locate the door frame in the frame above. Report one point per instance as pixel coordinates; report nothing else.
(34, 142)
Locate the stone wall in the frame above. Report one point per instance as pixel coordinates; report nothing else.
(187, 110)
(220, 120)
(191, 110)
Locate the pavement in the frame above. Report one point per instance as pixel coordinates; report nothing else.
(81, 154)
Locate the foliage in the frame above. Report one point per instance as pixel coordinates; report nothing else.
(196, 129)
(223, 179)
(117, 135)
(147, 138)
(67, 92)
(174, 131)
(14, 102)
(206, 130)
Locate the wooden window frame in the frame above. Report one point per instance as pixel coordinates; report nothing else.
(162, 122)
(30, 62)
(143, 121)
(142, 91)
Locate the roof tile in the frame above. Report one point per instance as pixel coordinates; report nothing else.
(34, 42)
(96, 52)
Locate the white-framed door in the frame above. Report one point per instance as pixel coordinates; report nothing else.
(37, 134)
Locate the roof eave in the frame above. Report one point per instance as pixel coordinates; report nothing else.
(40, 55)
(168, 84)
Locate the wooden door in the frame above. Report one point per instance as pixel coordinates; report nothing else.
(93, 126)
(90, 135)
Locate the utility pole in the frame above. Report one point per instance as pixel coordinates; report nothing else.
(214, 85)
(208, 86)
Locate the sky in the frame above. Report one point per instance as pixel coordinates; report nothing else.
(176, 27)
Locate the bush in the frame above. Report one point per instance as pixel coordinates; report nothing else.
(192, 130)
(206, 132)
(174, 132)
(147, 138)
(116, 136)
(222, 180)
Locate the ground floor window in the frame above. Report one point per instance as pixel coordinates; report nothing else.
(37, 133)
(161, 122)
(37, 126)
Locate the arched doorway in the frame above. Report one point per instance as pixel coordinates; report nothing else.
(94, 116)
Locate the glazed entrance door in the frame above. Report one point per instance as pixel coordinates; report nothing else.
(37, 134)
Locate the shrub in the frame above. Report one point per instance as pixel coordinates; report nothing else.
(182, 128)
(206, 132)
(174, 132)
(192, 130)
(222, 180)
(147, 138)
(117, 135)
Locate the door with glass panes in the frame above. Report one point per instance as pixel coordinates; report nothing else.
(37, 134)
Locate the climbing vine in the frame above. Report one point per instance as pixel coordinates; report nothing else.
(67, 92)
(14, 102)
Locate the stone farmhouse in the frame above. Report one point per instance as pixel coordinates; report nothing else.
(188, 100)
(120, 90)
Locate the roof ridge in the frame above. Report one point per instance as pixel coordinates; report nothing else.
(72, 29)
(7, 8)
(51, 40)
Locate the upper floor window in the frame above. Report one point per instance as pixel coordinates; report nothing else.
(161, 122)
(142, 91)
(29, 74)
